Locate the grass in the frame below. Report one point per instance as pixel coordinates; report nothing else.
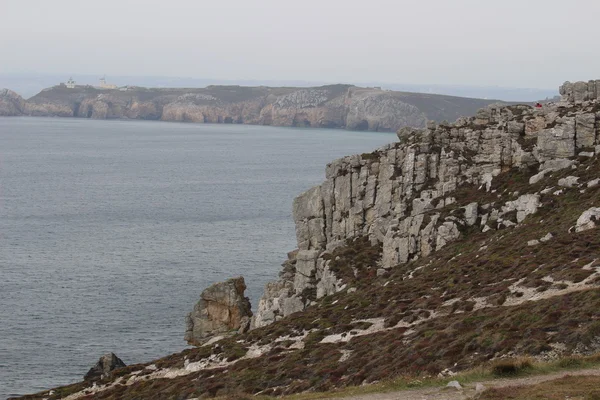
(569, 387)
(522, 367)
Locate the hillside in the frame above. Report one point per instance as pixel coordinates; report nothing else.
(458, 245)
(333, 106)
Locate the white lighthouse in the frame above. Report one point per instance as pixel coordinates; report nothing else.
(104, 85)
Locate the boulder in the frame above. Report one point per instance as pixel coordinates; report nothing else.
(222, 309)
(105, 364)
(454, 384)
(588, 219)
(568, 182)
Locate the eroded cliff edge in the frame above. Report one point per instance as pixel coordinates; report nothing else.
(332, 106)
(402, 197)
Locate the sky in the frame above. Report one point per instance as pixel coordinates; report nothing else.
(524, 43)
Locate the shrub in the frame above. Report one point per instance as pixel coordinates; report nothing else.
(511, 366)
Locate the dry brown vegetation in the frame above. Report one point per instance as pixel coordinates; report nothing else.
(569, 387)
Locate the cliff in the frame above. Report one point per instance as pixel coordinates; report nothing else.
(457, 246)
(333, 106)
(10, 103)
(396, 196)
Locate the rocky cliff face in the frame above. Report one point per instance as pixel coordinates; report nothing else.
(10, 103)
(399, 195)
(221, 310)
(333, 106)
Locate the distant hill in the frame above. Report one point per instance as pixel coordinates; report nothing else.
(331, 106)
(29, 84)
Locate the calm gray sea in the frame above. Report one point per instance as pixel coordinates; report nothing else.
(109, 231)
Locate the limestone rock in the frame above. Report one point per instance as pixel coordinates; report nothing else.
(588, 219)
(593, 183)
(105, 364)
(557, 164)
(454, 384)
(579, 91)
(557, 142)
(538, 177)
(222, 308)
(568, 182)
(586, 130)
(525, 205)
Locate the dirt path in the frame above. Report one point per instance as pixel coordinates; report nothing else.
(468, 391)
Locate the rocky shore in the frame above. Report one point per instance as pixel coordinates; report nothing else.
(460, 245)
(333, 106)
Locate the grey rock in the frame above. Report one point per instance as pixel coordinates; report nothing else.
(588, 154)
(557, 142)
(471, 213)
(454, 384)
(557, 164)
(222, 308)
(538, 177)
(525, 205)
(568, 182)
(593, 183)
(579, 92)
(107, 363)
(588, 219)
(585, 125)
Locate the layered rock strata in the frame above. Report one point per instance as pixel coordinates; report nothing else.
(400, 195)
(332, 106)
(222, 309)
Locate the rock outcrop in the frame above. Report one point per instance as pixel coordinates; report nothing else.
(395, 195)
(580, 91)
(332, 106)
(105, 364)
(11, 104)
(222, 308)
(588, 219)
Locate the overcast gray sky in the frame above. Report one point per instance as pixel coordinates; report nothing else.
(519, 43)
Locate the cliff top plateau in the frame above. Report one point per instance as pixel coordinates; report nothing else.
(332, 106)
(461, 245)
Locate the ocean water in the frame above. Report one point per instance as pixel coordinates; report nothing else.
(109, 231)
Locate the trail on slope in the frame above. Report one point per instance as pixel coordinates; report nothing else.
(468, 391)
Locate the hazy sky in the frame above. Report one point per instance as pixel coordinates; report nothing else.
(519, 43)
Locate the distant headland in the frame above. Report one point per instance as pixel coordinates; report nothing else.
(333, 106)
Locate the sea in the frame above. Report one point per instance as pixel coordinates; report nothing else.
(110, 230)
